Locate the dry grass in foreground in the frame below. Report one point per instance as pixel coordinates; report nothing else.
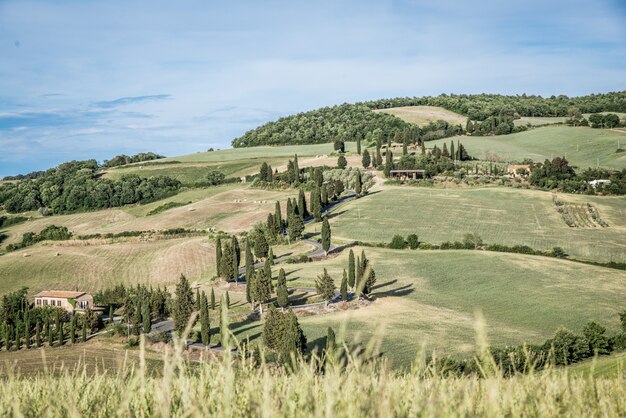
(237, 387)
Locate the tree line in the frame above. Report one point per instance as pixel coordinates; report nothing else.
(76, 186)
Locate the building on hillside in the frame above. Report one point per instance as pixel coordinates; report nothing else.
(594, 183)
(518, 170)
(404, 175)
(68, 300)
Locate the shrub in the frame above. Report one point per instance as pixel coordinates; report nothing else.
(397, 243)
(413, 241)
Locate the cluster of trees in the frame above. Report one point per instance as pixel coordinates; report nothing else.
(609, 120)
(437, 161)
(360, 277)
(125, 159)
(558, 174)
(228, 256)
(23, 325)
(481, 106)
(566, 347)
(49, 233)
(76, 186)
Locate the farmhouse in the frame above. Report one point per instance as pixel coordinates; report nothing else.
(515, 170)
(594, 183)
(403, 175)
(70, 301)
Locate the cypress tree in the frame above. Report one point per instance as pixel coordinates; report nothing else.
(224, 334)
(197, 305)
(325, 286)
(278, 219)
(260, 246)
(227, 299)
(405, 151)
(27, 328)
(296, 170)
(358, 183)
(388, 163)
(282, 279)
(218, 256)
(423, 147)
(344, 287)
(249, 287)
(228, 262)
(84, 336)
(147, 319)
(366, 160)
(49, 332)
(111, 314)
(282, 296)
(302, 209)
(73, 330)
(262, 288)
(295, 226)
(289, 208)
(249, 265)
(38, 333)
(326, 236)
(452, 152)
(293, 341)
(359, 273)
(137, 315)
(316, 204)
(267, 267)
(59, 328)
(183, 305)
(342, 162)
(212, 299)
(324, 195)
(331, 343)
(358, 144)
(351, 269)
(369, 281)
(273, 329)
(236, 257)
(270, 256)
(205, 326)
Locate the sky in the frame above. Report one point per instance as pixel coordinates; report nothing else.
(94, 79)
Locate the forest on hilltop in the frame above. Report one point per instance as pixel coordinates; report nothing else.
(354, 121)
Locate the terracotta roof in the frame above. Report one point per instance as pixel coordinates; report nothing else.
(59, 294)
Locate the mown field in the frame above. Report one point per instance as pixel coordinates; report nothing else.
(429, 298)
(230, 208)
(601, 367)
(583, 147)
(499, 215)
(423, 115)
(193, 168)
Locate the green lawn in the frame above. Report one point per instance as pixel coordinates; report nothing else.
(499, 215)
(583, 147)
(430, 298)
(605, 366)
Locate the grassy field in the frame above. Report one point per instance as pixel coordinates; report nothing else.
(423, 115)
(231, 208)
(583, 147)
(601, 367)
(499, 215)
(96, 355)
(430, 298)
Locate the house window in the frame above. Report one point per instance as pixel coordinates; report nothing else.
(45, 302)
(38, 302)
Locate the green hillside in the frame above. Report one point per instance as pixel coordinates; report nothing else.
(583, 147)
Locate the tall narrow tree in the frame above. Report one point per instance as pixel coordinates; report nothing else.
(358, 144)
(212, 299)
(38, 333)
(296, 170)
(351, 269)
(147, 318)
(366, 159)
(236, 257)
(326, 236)
(325, 286)
(260, 246)
(302, 209)
(73, 330)
(205, 325)
(358, 184)
(344, 287)
(262, 288)
(278, 218)
(183, 305)
(218, 256)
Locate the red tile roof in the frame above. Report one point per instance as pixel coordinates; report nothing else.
(59, 294)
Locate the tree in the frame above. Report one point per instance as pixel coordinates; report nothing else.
(388, 163)
(326, 236)
(358, 184)
(294, 341)
(331, 344)
(215, 177)
(205, 325)
(146, 317)
(296, 170)
(339, 145)
(358, 144)
(212, 299)
(262, 288)
(282, 296)
(260, 246)
(325, 286)
(273, 329)
(302, 209)
(295, 227)
(38, 333)
(228, 262)
(469, 127)
(218, 256)
(595, 334)
(344, 287)
(49, 332)
(183, 305)
(236, 257)
(342, 162)
(270, 257)
(351, 269)
(405, 151)
(224, 331)
(73, 330)
(227, 299)
(370, 280)
(316, 204)
(84, 331)
(366, 159)
(278, 219)
(197, 300)
(413, 241)
(397, 243)
(27, 328)
(452, 152)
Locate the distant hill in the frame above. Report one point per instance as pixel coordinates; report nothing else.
(353, 121)
(423, 115)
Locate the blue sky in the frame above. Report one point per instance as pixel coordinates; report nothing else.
(92, 79)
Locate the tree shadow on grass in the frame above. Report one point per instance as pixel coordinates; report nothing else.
(397, 291)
